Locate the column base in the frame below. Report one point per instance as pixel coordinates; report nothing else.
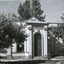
(30, 57)
(45, 56)
(48, 57)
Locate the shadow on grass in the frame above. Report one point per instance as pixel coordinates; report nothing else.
(24, 62)
(50, 62)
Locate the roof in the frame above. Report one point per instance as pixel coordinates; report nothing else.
(33, 21)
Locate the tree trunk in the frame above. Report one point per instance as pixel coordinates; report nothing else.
(11, 51)
(58, 39)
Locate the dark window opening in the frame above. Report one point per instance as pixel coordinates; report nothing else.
(20, 47)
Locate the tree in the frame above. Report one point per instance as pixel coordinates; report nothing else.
(10, 33)
(24, 10)
(37, 12)
(59, 30)
(28, 10)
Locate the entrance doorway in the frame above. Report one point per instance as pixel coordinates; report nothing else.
(37, 44)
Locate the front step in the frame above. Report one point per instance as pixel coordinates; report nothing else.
(39, 58)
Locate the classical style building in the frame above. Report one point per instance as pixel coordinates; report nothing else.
(36, 42)
(40, 41)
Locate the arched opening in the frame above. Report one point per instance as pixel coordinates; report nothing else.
(37, 44)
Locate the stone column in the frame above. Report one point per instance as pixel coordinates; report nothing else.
(30, 41)
(45, 42)
(25, 46)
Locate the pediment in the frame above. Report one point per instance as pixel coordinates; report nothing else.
(33, 19)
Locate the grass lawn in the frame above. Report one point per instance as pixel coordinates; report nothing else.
(52, 62)
(60, 61)
(36, 61)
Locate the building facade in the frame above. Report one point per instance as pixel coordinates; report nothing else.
(40, 41)
(36, 42)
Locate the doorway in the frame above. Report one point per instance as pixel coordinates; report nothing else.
(37, 44)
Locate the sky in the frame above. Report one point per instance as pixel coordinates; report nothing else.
(53, 9)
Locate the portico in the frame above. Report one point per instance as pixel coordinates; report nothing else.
(37, 40)
(38, 44)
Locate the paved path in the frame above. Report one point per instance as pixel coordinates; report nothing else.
(36, 59)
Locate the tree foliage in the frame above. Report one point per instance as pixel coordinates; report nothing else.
(10, 33)
(24, 10)
(59, 30)
(28, 10)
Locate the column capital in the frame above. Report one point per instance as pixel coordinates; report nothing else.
(45, 28)
(30, 28)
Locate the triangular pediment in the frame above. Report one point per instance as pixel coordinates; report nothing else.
(33, 19)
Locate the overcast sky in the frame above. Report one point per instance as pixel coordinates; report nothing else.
(52, 8)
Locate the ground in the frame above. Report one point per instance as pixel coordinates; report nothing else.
(53, 62)
(37, 60)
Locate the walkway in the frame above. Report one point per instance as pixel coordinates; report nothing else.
(23, 59)
(35, 59)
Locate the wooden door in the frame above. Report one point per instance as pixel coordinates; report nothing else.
(37, 44)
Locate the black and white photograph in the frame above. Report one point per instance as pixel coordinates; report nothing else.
(31, 31)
